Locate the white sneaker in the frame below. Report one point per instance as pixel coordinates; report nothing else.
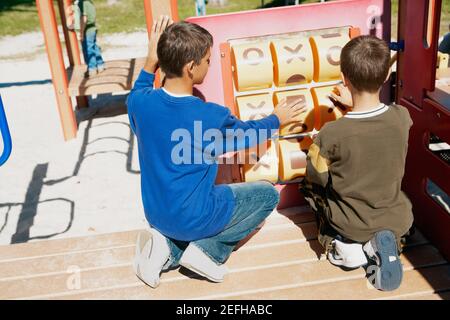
(349, 255)
(197, 261)
(152, 252)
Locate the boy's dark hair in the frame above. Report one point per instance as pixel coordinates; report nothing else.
(181, 43)
(365, 62)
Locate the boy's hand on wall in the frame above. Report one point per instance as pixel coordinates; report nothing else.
(342, 95)
(287, 111)
(158, 28)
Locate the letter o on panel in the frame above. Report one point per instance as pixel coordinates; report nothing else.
(303, 122)
(253, 67)
(327, 55)
(293, 61)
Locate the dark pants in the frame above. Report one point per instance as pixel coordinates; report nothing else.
(317, 197)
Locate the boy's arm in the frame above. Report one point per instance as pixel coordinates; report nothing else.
(317, 164)
(147, 75)
(240, 134)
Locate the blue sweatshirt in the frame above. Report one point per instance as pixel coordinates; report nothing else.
(179, 195)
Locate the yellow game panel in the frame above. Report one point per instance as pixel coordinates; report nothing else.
(304, 122)
(252, 66)
(261, 163)
(254, 107)
(293, 157)
(293, 61)
(327, 55)
(326, 110)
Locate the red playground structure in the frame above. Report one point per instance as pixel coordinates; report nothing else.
(256, 60)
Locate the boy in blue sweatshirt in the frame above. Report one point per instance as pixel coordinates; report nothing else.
(193, 222)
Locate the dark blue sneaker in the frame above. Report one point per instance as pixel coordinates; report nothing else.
(388, 271)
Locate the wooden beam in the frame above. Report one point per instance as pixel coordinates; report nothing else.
(48, 23)
(72, 47)
(154, 8)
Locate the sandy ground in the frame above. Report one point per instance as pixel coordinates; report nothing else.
(54, 189)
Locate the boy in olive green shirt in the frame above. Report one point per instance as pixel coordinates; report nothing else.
(355, 169)
(88, 36)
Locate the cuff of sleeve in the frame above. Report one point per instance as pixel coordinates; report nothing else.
(146, 76)
(274, 121)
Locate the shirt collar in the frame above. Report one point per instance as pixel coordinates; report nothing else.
(382, 108)
(176, 95)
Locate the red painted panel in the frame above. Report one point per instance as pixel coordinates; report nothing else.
(371, 16)
(418, 58)
(421, 164)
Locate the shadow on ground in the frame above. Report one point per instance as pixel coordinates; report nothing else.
(102, 107)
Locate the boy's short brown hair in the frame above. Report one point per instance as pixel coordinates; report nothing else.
(365, 62)
(181, 43)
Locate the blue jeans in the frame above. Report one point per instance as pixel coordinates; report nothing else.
(254, 201)
(91, 51)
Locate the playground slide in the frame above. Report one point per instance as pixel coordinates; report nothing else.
(7, 145)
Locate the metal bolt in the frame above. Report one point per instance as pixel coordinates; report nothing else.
(222, 55)
(438, 114)
(400, 83)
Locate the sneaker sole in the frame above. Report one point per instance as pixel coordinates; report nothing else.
(143, 238)
(390, 273)
(340, 263)
(193, 269)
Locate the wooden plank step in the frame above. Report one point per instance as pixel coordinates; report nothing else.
(63, 246)
(40, 269)
(120, 239)
(123, 255)
(430, 295)
(300, 265)
(242, 280)
(434, 278)
(118, 76)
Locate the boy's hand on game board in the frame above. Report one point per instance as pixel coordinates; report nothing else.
(287, 111)
(158, 28)
(342, 95)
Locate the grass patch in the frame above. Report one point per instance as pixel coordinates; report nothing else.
(19, 16)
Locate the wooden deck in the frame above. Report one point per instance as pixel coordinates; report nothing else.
(118, 76)
(279, 261)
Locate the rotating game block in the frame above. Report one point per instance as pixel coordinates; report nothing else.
(254, 107)
(293, 61)
(252, 66)
(303, 122)
(261, 163)
(327, 55)
(293, 157)
(326, 110)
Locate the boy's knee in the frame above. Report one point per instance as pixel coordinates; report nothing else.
(271, 194)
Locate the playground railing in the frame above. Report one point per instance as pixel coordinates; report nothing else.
(7, 145)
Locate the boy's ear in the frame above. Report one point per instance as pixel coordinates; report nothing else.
(190, 68)
(344, 80)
